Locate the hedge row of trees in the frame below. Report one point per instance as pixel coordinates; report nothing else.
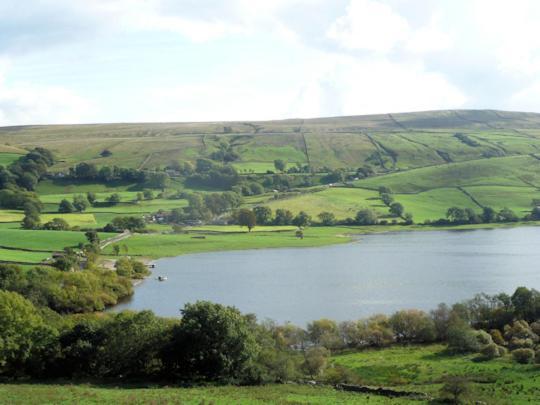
(26, 171)
(215, 343)
(107, 174)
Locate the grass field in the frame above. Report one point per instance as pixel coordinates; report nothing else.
(21, 256)
(423, 368)
(343, 202)
(43, 240)
(162, 245)
(33, 394)
(8, 158)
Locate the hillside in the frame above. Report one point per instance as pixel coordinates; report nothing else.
(389, 142)
(430, 160)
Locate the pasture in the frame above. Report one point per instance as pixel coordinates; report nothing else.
(33, 394)
(423, 368)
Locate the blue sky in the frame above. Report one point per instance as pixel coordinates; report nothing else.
(65, 61)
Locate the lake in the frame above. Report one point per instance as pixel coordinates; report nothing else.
(375, 274)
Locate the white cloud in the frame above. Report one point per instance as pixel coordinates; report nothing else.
(375, 86)
(26, 103)
(369, 25)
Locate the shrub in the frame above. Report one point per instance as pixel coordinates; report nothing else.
(523, 356)
(462, 339)
(492, 351)
(497, 337)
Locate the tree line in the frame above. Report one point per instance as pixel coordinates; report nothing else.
(212, 343)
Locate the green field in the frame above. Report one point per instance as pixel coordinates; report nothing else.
(162, 245)
(423, 368)
(43, 240)
(33, 394)
(8, 158)
(402, 368)
(22, 256)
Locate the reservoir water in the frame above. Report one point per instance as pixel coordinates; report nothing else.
(375, 274)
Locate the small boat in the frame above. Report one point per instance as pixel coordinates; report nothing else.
(162, 278)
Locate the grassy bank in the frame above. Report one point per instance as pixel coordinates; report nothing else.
(423, 368)
(28, 394)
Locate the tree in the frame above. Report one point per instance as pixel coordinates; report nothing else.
(315, 361)
(113, 198)
(263, 215)
(283, 217)
(246, 217)
(65, 207)
(523, 356)
(80, 203)
(454, 387)
(366, 217)
(462, 338)
(299, 234)
(92, 237)
(124, 267)
(396, 209)
(302, 219)
(148, 194)
(456, 215)
(158, 180)
(408, 218)
(280, 165)
(212, 343)
(91, 197)
(31, 218)
(507, 215)
(413, 326)
(384, 190)
(387, 199)
(56, 224)
(488, 215)
(327, 218)
(116, 250)
(24, 332)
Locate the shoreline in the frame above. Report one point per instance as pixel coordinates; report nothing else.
(344, 234)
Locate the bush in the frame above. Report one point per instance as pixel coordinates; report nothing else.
(462, 339)
(492, 351)
(523, 356)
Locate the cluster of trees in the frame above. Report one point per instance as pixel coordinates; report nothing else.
(121, 224)
(458, 215)
(217, 344)
(19, 179)
(131, 268)
(63, 291)
(208, 173)
(263, 215)
(26, 171)
(106, 174)
(204, 206)
(395, 209)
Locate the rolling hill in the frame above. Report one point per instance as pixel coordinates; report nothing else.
(430, 160)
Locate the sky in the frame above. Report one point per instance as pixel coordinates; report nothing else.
(89, 61)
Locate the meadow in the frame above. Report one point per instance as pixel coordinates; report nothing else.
(418, 368)
(30, 394)
(424, 368)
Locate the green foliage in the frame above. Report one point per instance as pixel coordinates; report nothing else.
(302, 219)
(246, 217)
(263, 215)
(366, 216)
(23, 333)
(523, 356)
(67, 292)
(212, 343)
(56, 224)
(66, 207)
